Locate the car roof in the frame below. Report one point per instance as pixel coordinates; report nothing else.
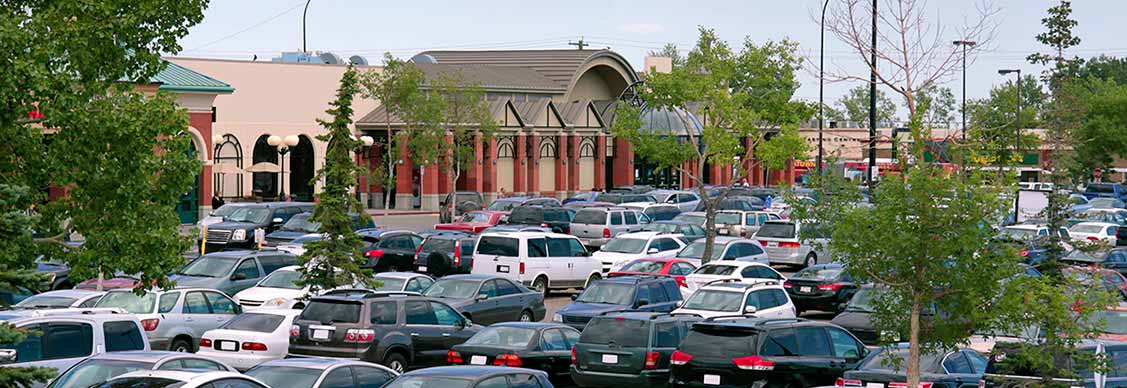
(469, 372)
(1026, 226)
(527, 234)
(378, 233)
(143, 355)
(530, 325)
(642, 315)
(647, 235)
(635, 278)
(276, 204)
(470, 277)
(397, 275)
(1095, 223)
(827, 265)
(182, 375)
(74, 293)
(312, 362)
(755, 322)
(737, 263)
(724, 240)
(742, 284)
(232, 254)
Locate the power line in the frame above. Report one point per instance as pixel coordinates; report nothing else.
(251, 27)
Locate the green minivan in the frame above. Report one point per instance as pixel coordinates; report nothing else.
(628, 348)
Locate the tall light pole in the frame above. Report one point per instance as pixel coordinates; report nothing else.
(965, 44)
(821, 88)
(284, 145)
(872, 104)
(303, 13)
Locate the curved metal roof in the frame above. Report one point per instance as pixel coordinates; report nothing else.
(559, 66)
(670, 121)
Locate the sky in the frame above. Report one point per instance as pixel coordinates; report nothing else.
(241, 29)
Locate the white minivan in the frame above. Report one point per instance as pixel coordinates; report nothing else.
(541, 260)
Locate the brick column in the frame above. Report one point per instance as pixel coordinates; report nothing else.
(573, 168)
(715, 175)
(520, 165)
(623, 163)
(431, 193)
(473, 173)
(533, 186)
(489, 171)
(563, 159)
(445, 167)
(600, 162)
(403, 173)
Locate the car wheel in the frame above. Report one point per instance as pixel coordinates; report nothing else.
(180, 345)
(396, 362)
(591, 280)
(811, 260)
(541, 284)
(526, 316)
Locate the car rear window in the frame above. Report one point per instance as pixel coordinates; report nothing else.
(556, 215)
(728, 218)
(122, 336)
(436, 245)
(331, 311)
(260, 323)
(590, 217)
(526, 215)
(500, 246)
(824, 273)
(629, 333)
(1100, 188)
(717, 342)
(776, 230)
(715, 269)
(896, 360)
(508, 337)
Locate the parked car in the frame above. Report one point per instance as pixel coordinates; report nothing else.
(474, 222)
(60, 299)
(181, 379)
(725, 249)
(175, 319)
(737, 351)
(858, 313)
(627, 247)
(509, 203)
(237, 229)
(1113, 259)
(445, 254)
(694, 217)
(786, 243)
(538, 346)
(1070, 371)
(584, 205)
(296, 246)
(543, 260)
(58, 274)
(742, 223)
(313, 372)
(398, 331)
(595, 226)
(628, 349)
(823, 287)
(68, 336)
(557, 218)
(689, 232)
(488, 299)
(636, 293)
(745, 203)
(231, 271)
(467, 376)
(456, 204)
(753, 297)
(278, 290)
(516, 228)
(105, 366)
(1095, 232)
(684, 200)
(655, 211)
(300, 225)
(582, 197)
(962, 368)
(731, 270)
(217, 215)
(118, 281)
(675, 268)
(389, 250)
(250, 338)
(631, 189)
(402, 281)
(1111, 280)
(1107, 203)
(1105, 190)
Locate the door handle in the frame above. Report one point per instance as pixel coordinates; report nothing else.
(189, 319)
(414, 334)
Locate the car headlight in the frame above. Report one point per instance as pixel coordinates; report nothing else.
(276, 302)
(557, 318)
(239, 235)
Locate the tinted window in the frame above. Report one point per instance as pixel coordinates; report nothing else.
(577, 248)
(31, 349)
(67, 340)
(272, 263)
(537, 247)
(553, 339)
(760, 300)
(643, 292)
(370, 377)
(657, 294)
(590, 217)
(493, 382)
(844, 344)
(383, 313)
(666, 335)
(559, 215)
(630, 218)
(781, 297)
(616, 218)
(957, 363)
(221, 304)
(524, 381)
(338, 378)
(780, 343)
(321, 310)
(572, 336)
(681, 269)
(559, 247)
(247, 268)
(716, 342)
(812, 341)
(195, 363)
(488, 288)
(419, 313)
(168, 302)
(195, 303)
(776, 230)
(500, 246)
(123, 335)
(261, 323)
(626, 333)
(505, 287)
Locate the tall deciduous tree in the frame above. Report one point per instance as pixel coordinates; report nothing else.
(939, 105)
(396, 87)
(993, 122)
(465, 116)
(855, 107)
(335, 260)
(745, 94)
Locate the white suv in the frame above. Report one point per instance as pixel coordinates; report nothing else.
(730, 270)
(630, 246)
(65, 337)
(543, 260)
(758, 298)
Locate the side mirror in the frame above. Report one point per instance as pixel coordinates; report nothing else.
(462, 324)
(574, 297)
(641, 303)
(238, 276)
(481, 297)
(277, 220)
(750, 310)
(652, 251)
(670, 201)
(680, 303)
(8, 355)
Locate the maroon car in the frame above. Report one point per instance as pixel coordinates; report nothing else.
(475, 221)
(108, 284)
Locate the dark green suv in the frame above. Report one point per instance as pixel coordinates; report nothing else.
(628, 349)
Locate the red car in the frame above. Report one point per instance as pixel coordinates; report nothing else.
(108, 284)
(474, 222)
(676, 268)
(1111, 279)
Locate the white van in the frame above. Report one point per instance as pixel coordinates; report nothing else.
(541, 260)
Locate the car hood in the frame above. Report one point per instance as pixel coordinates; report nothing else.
(232, 225)
(287, 235)
(262, 294)
(854, 320)
(211, 220)
(193, 281)
(582, 309)
(45, 267)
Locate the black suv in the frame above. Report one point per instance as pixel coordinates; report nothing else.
(237, 229)
(555, 217)
(628, 349)
(443, 254)
(399, 330)
(389, 250)
(745, 351)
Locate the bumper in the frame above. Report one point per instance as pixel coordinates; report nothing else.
(237, 360)
(325, 352)
(816, 302)
(160, 343)
(594, 243)
(651, 378)
(779, 256)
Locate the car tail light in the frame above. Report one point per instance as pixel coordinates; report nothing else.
(787, 285)
(254, 346)
(680, 358)
(763, 242)
(522, 268)
(681, 281)
(374, 254)
(923, 384)
(1024, 253)
(295, 331)
(543, 224)
(205, 343)
(786, 244)
(453, 357)
(508, 360)
(981, 383)
(831, 286)
(651, 360)
(574, 357)
(150, 324)
(847, 383)
(606, 232)
(753, 363)
(359, 335)
(457, 253)
(417, 249)
(1093, 238)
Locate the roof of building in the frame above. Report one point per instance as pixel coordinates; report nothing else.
(494, 78)
(560, 66)
(181, 79)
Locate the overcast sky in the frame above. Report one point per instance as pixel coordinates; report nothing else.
(243, 28)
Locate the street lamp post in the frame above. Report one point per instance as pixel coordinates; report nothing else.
(872, 103)
(965, 44)
(821, 87)
(283, 145)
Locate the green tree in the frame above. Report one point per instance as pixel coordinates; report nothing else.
(397, 87)
(855, 106)
(1101, 135)
(1105, 68)
(940, 105)
(993, 123)
(465, 115)
(743, 95)
(778, 149)
(335, 260)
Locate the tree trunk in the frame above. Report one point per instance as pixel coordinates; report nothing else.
(914, 345)
(390, 166)
(709, 231)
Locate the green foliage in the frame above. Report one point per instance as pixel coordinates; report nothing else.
(1105, 68)
(782, 147)
(462, 113)
(855, 106)
(669, 51)
(938, 103)
(1101, 135)
(993, 123)
(335, 260)
(397, 87)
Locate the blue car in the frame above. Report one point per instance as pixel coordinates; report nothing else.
(582, 197)
(1105, 190)
(634, 293)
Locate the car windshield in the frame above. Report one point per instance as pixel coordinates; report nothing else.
(608, 293)
(301, 223)
(503, 205)
(509, 337)
(643, 266)
(208, 267)
(282, 279)
(895, 360)
(285, 376)
(776, 230)
(128, 301)
(824, 273)
(46, 301)
(1104, 202)
(862, 301)
(390, 284)
(225, 210)
(304, 239)
(1086, 228)
(715, 269)
(475, 217)
(624, 245)
(1115, 321)
(638, 198)
(95, 371)
(1019, 234)
(428, 382)
(714, 300)
(256, 322)
(728, 218)
(453, 288)
(696, 251)
(254, 215)
(660, 227)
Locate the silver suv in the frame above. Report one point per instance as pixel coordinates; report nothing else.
(595, 226)
(62, 338)
(175, 319)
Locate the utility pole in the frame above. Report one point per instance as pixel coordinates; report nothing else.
(872, 105)
(580, 44)
(303, 13)
(821, 88)
(965, 44)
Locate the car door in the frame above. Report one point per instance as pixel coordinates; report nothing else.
(847, 351)
(561, 264)
(631, 221)
(395, 255)
(452, 324)
(555, 346)
(537, 262)
(56, 345)
(428, 344)
(509, 300)
(486, 311)
(368, 377)
(816, 355)
(246, 274)
(766, 306)
(222, 307)
(583, 265)
(197, 316)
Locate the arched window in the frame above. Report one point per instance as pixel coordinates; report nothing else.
(229, 152)
(587, 148)
(505, 149)
(547, 148)
(265, 184)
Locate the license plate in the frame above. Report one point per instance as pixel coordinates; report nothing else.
(804, 289)
(610, 358)
(874, 385)
(712, 379)
(477, 360)
(422, 268)
(320, 334)
(772, 243)
(226, 345)
(503, 268)
(722, 231)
